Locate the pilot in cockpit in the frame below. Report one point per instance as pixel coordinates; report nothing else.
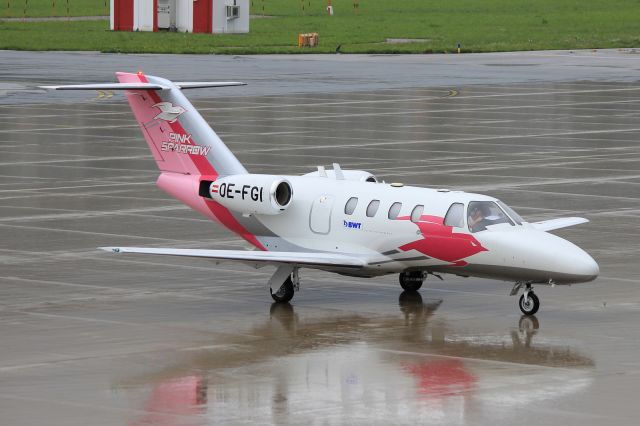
(485, 213)
(476, 216)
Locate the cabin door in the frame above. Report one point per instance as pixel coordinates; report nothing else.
(320, 215)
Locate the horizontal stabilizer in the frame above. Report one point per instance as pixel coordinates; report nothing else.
(145, 86)
(108, 86)
(203, 84)
(268, 257)
(563, 222)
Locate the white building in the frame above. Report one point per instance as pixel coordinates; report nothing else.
(193, 16)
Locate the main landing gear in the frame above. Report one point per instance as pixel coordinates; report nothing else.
(529, 302)
(287, 281)
(411, 281)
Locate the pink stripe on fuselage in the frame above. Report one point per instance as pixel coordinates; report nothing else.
(440, 242)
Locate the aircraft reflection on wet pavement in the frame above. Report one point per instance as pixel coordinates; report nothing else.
(411, 365)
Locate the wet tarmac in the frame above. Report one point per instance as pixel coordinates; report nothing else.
(92, 338)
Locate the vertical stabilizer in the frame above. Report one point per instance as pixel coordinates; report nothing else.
(180, 140)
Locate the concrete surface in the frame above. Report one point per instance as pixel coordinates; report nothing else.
(93, 338)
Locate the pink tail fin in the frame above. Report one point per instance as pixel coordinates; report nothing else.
(179, 138)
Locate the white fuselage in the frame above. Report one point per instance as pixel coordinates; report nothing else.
(318, 219)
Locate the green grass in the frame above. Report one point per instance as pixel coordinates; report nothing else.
(40, 8)
(479, 25)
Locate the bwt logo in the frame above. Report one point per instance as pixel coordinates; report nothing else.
(352, 225)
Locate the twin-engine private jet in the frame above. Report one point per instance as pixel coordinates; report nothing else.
(342, 221)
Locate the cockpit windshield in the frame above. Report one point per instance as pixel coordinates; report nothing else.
(508, 210)
(481, 214)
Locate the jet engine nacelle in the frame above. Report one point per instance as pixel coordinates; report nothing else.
(252, 194)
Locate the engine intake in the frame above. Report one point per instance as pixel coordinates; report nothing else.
(252, 194)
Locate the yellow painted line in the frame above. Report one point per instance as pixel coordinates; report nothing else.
(103, 94)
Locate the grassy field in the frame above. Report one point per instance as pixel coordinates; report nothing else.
(478, 25)
(41, 8)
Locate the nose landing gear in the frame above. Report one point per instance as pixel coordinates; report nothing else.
(529, 302)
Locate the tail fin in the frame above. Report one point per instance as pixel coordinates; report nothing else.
(180, 140)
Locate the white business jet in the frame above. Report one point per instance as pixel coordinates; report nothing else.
(342, 221)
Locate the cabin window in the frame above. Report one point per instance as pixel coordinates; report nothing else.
(350, 207)
(394, 210)
(485, 213)
(416, 213)
(455, 216)
(372, 208)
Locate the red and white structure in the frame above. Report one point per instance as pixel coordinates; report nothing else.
(193, 16)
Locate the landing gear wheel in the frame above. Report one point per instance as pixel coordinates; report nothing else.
(284, 293)
(411, 281)
(531, 306)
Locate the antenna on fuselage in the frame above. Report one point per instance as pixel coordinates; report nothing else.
(338, 171)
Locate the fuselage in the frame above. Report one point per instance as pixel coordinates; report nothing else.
(398, 228)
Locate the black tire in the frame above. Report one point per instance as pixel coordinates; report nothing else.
(411, 281)
(284, 293)
(532, 307)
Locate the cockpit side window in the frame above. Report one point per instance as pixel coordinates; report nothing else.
(481, 214)
(455, 216)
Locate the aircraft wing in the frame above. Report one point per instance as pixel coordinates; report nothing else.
(563, 222)
(265, 257)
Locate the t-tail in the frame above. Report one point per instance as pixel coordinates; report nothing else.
(189, 154)
(180, 140)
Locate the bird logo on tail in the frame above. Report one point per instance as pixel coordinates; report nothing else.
(169, 112)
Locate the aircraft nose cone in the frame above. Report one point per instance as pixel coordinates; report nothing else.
(587, 267)
(572, 263)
